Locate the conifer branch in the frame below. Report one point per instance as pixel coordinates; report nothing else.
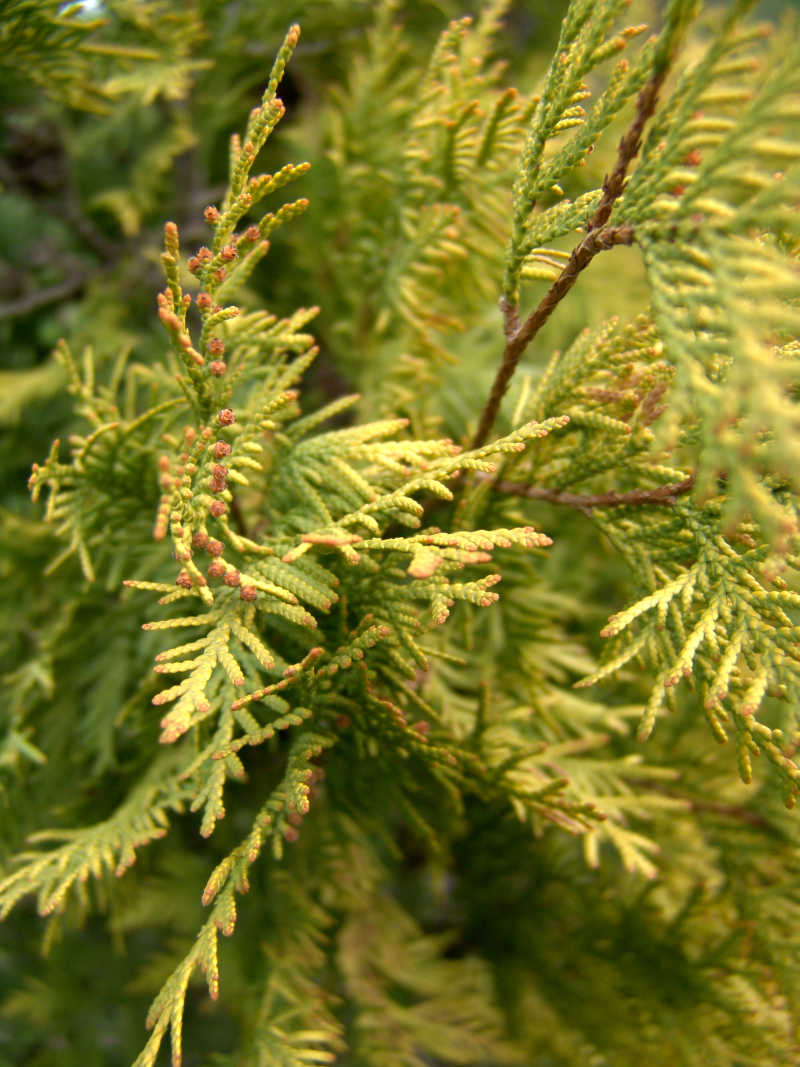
(338, 677)
(628, 149)
(597, 239)
(587, 502)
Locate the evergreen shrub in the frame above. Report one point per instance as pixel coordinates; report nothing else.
(400, 646)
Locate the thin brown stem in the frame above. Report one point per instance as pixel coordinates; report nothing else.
(597, 239)
(511, 323)
(587, 502)
(628, 148)
(727, 811)
(731, 811)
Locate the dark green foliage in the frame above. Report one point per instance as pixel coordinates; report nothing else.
(258, 680)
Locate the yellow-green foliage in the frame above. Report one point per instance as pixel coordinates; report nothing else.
(253, 617)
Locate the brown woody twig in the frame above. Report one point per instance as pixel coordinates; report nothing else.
(598, 238)
(587, 502)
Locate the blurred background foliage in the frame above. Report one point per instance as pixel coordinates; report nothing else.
(89, 176)
(115, 117)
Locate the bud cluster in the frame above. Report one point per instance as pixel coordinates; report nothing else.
(198, 261)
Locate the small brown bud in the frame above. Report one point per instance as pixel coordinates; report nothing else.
(216, 569)
(226, 417)
(290, 834)
(214, 547)
(204, 301)
(221, 448)
(343, 721)
(204, 254)
(217, 367)
(216, 487)
(229, 252)
(200, 539)
(194, 265)
(220, 472)
(218, 508)
(232, 577)
(216, 346)
(183, 580)
(220, 274)
(211, 214)
(252, 233)
(248, 592)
